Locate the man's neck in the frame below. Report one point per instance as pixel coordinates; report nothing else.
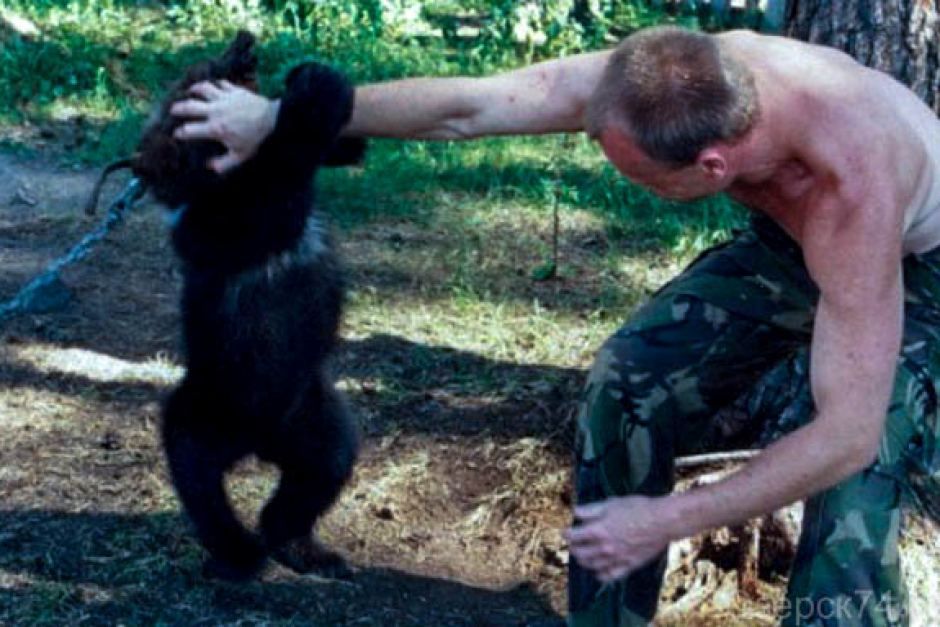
(764, 149)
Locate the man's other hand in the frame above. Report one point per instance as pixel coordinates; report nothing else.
(617, 536)
(236, 117)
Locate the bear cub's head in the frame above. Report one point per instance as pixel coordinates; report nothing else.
(315, 105)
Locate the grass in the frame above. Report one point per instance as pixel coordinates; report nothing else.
(463, 369)
(89, 79)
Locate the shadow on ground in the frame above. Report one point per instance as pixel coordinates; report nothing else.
(441, 390)
(394, 385)
(105, 568)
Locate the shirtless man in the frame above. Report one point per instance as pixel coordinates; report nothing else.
(834, 284)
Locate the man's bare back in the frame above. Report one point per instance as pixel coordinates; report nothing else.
(836, 122)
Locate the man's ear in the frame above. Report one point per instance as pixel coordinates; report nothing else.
(713, 163)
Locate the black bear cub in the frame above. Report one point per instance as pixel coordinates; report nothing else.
(261, 306)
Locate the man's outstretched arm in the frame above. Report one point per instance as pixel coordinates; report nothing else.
(547, 97)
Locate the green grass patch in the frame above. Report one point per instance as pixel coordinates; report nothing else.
(532, 174)
(98, 66)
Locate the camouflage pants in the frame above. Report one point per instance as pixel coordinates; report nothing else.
(718, 359)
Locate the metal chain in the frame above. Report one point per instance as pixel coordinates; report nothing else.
(24, 299)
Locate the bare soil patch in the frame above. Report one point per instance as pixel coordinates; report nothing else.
(454, 515)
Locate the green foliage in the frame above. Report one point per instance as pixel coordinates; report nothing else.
(98, 65)
(100, 54)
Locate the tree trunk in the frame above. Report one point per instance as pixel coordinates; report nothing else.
(901, 37)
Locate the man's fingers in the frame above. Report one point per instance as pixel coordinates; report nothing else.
(590, 553)
(591, 511)
(205, 90)
(582, 535)
(190, 109)
(224, 163)
(225, 85)
(194, 130)
(599, 561)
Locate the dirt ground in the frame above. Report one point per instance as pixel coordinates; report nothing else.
(454, 515)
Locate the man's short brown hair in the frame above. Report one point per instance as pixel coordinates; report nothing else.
(674, 92)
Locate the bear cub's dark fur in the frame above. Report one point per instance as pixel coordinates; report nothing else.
(261, 306)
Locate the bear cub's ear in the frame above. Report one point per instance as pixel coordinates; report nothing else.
(238, 63)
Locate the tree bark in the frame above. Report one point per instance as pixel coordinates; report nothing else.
(900, 37)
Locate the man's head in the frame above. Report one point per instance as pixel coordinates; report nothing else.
(668, 97)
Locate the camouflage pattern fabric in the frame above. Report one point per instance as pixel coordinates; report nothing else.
(718, 359)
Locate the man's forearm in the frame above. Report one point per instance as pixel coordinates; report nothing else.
(799, 465)
(421, 108)
(547, 97)
(852, 364)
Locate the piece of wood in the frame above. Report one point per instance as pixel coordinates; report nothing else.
(691, 461)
